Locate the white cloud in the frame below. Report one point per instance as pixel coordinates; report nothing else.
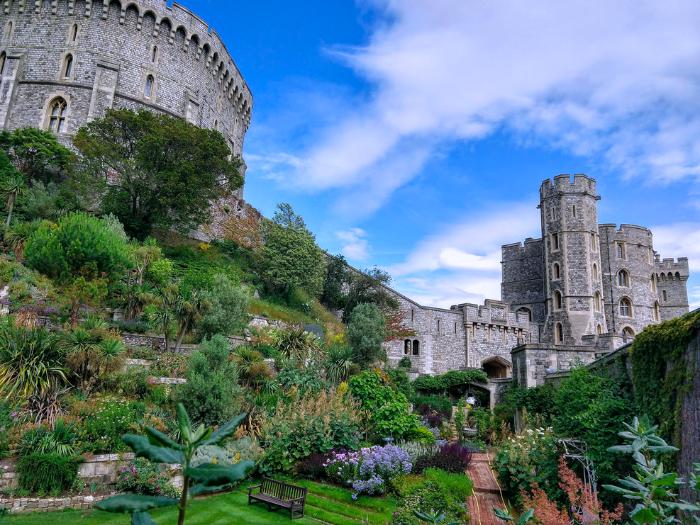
(355, 246)
(616, 80)
(462, 263)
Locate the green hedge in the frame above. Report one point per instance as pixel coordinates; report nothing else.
(47, 473)
(454, 382)
(441, 405)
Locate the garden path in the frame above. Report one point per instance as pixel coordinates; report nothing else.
(487, 493)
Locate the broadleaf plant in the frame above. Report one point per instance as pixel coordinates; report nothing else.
(160, 448)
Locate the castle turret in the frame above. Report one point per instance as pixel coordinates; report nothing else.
(672, 290)
(573, 286)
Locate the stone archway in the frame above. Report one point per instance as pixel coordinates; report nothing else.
(497, 367)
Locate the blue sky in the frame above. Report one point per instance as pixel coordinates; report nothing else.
(414, 135)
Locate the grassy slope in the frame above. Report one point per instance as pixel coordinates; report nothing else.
(324, 504)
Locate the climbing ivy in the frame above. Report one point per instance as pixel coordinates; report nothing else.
(660, 372)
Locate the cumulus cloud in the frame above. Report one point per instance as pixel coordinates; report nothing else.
(616, 80)
(355, 246)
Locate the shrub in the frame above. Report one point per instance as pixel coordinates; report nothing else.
(366, 331)
(416, 449)
(426, 404)
(451, 457)
(106, 421)
(45, 440)
(47, 473)
(6, 424)
(313, 467)
(144, 477)
(133, 383)
(386, 410)
(454, 382)
(78, 243)
(457, 485)
(233, 452)
(438, 491)
(211, 392)
(311, 424)
(229, 307)
(133, 326)
(527, 458)
(370, 469)
(91, 356)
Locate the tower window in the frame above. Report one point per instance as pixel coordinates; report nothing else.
(438, 326)
(627, 334)
(625, 307)
(148, 89)
(68, 66)
(3, 58)
(653, 283)
(599, 329)
(623, 278)
(657, 311)
(57, 115)
(412, 314)
(558, 333)
(555, 271)
(663, 293)
(455, 328)
(8, 31)
(407, 347)
(558, 301)
(597, 302)
(573, 211)
(154, 54)
(594, 243)
(620, 250)
(555, 241)
(74, 32)
(595, 271)
(416, 347)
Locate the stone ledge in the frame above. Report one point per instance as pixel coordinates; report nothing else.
(16, 505)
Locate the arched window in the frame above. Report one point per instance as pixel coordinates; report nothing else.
(3, 58)
(625, 307)
(555, 271)
(57, 115)
(407, 347)
(663, 293)
(416, 347)
(594, 244)
(620, 250)
(597, 302)
(555, 241)
(595, 271)
(558, 333)
(678, 276)
(154, 53)
(74, 33)
(627, 334)
(68, 66)
(663, 276)
(657, 311)
(599, 329)
(148, 89)
(558, 302)
(623, 278)
(653, 283)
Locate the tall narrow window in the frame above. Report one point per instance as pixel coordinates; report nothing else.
(573, 211)
(412, 314)
(620, 247)
(663, 293)
(653, 283)
(455, 328)
(57, 115)
(599, 329)
(68, 66)
(555, 271)
(595, 271)
(555, 241)
(154, 53)
(594, 244)
(558, 333)
(3, 57)
(597, 302)
(623, 278)
(407, 347)
(657, 312)
(74, 33)
(438, 326)
(558, 302)
(148, 89)
(625, 307)
(416, 347)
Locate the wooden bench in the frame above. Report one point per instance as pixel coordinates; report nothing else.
(279, 494)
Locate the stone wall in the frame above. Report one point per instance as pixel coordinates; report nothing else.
(15, 505)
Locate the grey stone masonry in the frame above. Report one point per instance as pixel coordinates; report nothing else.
(579, 292)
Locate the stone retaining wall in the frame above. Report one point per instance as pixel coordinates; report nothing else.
(15, 505)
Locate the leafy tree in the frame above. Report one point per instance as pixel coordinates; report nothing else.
(189, 310)
(366, 334)
(369, 287)
(196, 480)
(37, 154)
(228, 310)
(11, 185)
(290, 258)
(212, 390)
(337, 276)
(78, 245)
(162, 171)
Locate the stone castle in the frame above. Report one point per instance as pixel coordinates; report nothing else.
(580, 291)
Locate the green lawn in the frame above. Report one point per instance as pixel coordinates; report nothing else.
(324, 504)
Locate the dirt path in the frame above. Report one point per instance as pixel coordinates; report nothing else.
(486, 492)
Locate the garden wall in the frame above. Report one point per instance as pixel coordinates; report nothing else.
(690, 415)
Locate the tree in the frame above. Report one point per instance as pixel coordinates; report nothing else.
(366, 334)
(163, 172)
(189, 310)
(212, 390)
(369, 287)
(11, 185)
(196, 480)
(37, 154)
(79, 245)
(337, 277)
(290, 259)
(228, 310)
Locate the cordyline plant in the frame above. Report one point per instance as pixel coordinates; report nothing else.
(160, 448)
(652, 488)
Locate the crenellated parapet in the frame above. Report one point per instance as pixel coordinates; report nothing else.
(156, 19)
(565, 184)
(672, 268)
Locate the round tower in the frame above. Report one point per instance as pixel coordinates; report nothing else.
(573, 285)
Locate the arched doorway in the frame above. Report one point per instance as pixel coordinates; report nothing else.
(497, 367)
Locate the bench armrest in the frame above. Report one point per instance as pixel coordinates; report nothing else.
(253, 487)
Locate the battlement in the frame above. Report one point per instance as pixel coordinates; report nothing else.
(518, 250)
(579, 184)
(672, 266)
(625, 232)
(181, 26)
(492, 312)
